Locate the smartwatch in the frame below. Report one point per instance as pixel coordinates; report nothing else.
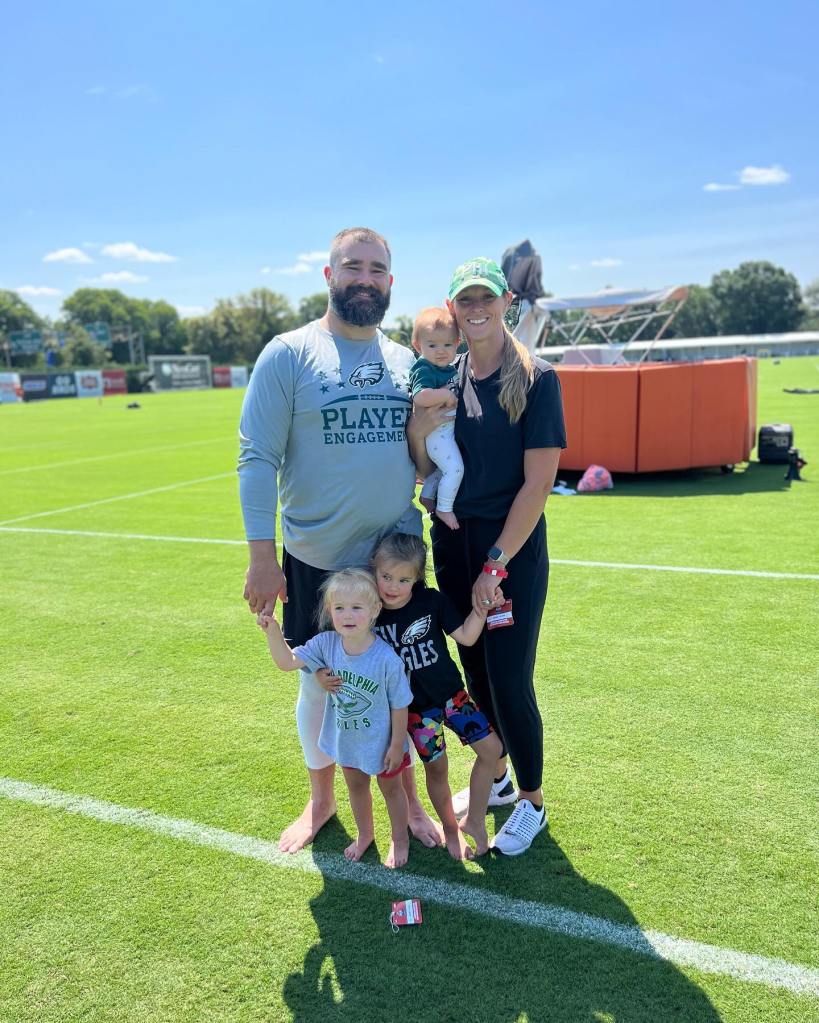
(496, 554)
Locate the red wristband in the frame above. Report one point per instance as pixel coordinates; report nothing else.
(501, 573)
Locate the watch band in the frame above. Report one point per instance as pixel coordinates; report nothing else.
(496, 554)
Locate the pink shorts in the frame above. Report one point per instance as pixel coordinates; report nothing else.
(401, 767)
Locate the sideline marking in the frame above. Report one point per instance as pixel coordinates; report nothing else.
(120, 497)
(686, 568)
(801, 980)
(554, 561)
(115, 454)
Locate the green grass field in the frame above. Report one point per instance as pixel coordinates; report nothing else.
(680, 737)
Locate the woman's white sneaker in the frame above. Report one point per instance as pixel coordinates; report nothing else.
(523, 825)
(501, 794)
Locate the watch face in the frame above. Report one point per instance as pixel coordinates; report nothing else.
(495, 554)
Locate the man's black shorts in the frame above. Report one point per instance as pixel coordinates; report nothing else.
(300, 613)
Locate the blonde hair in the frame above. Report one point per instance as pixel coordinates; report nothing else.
(354, 581)
(404, 547)
(433, 318)
(517, 373)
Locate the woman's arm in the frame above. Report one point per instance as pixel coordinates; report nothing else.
(539, 471)
(398, 724)
(281, 653)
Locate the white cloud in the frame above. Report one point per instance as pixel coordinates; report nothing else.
(66, 256)
(313, 257)
(607, 262)
(35, 291)
(714, 186)
(289, 271)
(96, 90)
(129, 250)
(774, 175)
(191, 310)
(118, 277)
(574, 266)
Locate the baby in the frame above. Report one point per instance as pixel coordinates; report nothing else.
(435, 338)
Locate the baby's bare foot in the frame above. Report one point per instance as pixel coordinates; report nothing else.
(448, 518)
(398, 853)
(476, 830)
(355, 850)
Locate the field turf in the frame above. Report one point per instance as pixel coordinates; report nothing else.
(680, 738)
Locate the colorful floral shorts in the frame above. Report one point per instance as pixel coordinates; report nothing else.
(459, 714)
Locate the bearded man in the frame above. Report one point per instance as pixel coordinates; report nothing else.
(323, 437)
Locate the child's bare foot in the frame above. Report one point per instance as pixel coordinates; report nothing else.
(457, 846)
(448, 518)
(398, 853)
(476, 830)
(355, 850)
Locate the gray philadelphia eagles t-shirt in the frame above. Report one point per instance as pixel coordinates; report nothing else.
(356, 729)
(327, 416)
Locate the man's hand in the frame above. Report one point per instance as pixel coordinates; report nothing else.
(327, 679)
(265, 582)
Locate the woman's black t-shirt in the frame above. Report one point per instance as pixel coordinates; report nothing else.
(417, 633)
(492, 448)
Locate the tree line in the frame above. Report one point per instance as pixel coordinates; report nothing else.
(755, 298)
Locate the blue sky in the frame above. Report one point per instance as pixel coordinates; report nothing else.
(194, 151)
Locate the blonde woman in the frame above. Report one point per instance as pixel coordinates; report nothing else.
(509, 428)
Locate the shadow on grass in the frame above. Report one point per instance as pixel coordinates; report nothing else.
(465, 966)
(752, 478)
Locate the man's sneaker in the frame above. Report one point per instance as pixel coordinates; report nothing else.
(501, 794)
(523, 825)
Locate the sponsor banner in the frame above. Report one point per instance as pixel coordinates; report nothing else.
(25, 342)
(180, 372)
(35, 386)
(222, 376)
(238, 376)
(10, 388)
(113, 381)
(62, 385)
(89, 383)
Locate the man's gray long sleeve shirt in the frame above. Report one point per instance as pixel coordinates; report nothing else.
(322, 434)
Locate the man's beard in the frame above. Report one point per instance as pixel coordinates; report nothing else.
(358, 305)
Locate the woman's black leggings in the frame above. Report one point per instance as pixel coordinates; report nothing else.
(499, 668)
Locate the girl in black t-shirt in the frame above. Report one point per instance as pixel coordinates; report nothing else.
(415, 621)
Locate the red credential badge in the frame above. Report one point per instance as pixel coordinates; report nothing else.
(500, 617)
(405, 913)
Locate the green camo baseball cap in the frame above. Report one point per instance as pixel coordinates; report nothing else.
(478, 271)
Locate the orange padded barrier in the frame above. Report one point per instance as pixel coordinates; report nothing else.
(722, 411)
(664, 427)
(656, 416)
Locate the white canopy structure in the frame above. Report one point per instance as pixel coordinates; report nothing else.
(617, 318)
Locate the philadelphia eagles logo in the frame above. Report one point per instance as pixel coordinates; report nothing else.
(418, 629)
(369, 373)
(350, 703)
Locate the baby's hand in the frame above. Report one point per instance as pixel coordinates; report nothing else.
(327, 679)
(264, 621)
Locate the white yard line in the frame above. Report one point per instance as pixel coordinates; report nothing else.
(119, 497)
(113, 454)
(685, 568)
(122, 536)
(800, 980)
(554, 561)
